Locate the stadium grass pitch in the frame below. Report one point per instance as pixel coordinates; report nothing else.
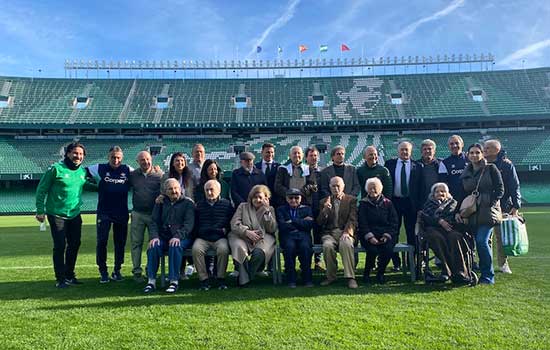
(513, 314)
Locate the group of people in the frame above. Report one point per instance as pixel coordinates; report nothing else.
(298, 204)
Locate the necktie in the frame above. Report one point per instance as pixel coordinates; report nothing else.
(404, 186)
(267, 169)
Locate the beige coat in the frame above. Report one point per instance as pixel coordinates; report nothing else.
(248, 218)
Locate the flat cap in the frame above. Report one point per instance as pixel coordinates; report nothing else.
(293, 192)
(246, 156)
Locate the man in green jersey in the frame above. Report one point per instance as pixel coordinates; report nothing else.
(61, 190)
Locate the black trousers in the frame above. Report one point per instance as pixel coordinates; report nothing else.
(384, 252)
(406, 214)
(66, 235)
(120, 234)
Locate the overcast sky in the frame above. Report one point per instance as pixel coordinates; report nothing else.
(42, 34)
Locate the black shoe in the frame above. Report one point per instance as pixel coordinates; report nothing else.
(116, 276)
(204, 285)
(366, 278)
(73, 281)
(221, 284)
(172, 288)
(61, 285)
(104, 278)
(149, 288)
(461, 281)
(380, 278)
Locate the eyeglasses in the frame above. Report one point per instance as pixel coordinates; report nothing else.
(294, 198)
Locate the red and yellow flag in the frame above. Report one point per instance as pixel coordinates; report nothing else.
(302, 48)
(344, 47)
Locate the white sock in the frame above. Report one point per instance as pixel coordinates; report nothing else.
(174, 282)
(152, 281)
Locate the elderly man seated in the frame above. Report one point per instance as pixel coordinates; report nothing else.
(338, 223)
(295, 223)
(172, 224)
(213, 222)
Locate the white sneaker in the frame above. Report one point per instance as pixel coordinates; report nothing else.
(505, 268)
(234, 274)
(262, 274)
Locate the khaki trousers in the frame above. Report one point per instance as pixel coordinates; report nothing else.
(200, 247)
(331, 245)
(140, 221)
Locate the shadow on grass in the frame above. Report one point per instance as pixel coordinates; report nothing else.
(129, 293)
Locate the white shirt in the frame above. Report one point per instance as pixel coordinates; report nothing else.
(264, 166)
(397, 184)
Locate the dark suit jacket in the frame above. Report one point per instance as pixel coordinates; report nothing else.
(347, 216)
(272, 174)
(275, 199)
(416, 184)
(294, 227)
(350, 180)
(242, 182)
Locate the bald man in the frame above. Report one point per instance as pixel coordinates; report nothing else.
(213, 223)
(338, 224)
(171, 230)
(145, 182)
(371, 168)
(407, 192)
(511, 201)
(295, 175)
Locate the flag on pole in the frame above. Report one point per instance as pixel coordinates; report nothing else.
(279, 49)
(302, 48)
(258, 49)
(344, 47)
(323, 48)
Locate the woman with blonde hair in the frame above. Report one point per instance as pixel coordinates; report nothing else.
(252, 237)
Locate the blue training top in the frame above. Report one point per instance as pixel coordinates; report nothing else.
(452, 168)
(113, 187)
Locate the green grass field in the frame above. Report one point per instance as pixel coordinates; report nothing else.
(513, 314)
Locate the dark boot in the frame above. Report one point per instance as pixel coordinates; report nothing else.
(256, 262)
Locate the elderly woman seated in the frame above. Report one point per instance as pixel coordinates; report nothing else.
(378, 227)
(443, 233)
(252, 237)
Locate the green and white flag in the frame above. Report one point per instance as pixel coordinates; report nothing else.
(323, 48)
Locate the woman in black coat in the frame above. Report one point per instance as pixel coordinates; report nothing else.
(444, 234)
(378, 227)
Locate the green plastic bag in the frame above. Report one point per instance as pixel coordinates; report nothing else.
(514, 236)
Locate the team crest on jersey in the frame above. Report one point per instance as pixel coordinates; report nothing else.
(122, 174)
(108, 174)
(452, 165)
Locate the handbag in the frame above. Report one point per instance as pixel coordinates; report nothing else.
(513, 234)
(469, 205)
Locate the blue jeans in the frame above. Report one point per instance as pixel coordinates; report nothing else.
(175, 254)
(485, 254)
